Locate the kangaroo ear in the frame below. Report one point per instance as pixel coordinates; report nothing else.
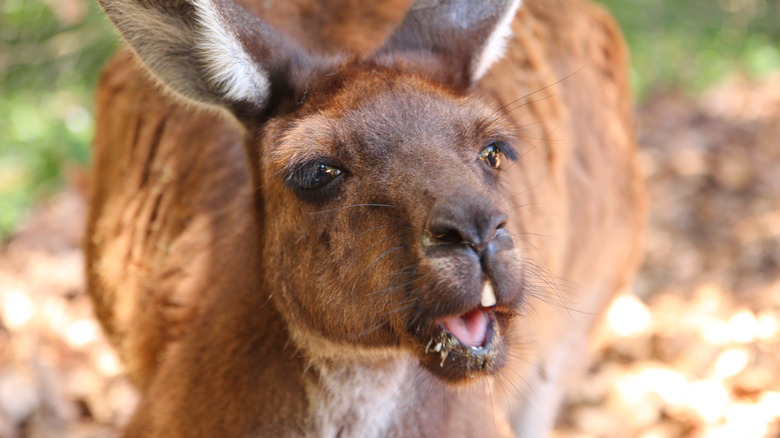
(210, 51)
(467, 35)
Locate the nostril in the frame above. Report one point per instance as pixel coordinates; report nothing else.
(443, 233)
(501, 225)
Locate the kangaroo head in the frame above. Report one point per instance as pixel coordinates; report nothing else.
(378, 180)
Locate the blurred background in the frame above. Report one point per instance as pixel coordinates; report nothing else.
(693, 351)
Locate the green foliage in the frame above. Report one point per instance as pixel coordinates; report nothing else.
(690, 44)
(50, 56)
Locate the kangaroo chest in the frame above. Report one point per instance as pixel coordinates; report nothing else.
(357, 400)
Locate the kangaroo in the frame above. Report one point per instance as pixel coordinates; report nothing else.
(406, 237)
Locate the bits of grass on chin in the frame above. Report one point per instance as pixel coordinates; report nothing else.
(442, 344)
(476, 358)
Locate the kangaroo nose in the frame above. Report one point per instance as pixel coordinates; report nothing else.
(472, 224)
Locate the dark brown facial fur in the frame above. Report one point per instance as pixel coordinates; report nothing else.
(407, 152)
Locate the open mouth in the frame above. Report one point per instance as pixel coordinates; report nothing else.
(472, 328)
(466, 344)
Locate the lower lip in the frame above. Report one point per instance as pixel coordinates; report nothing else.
(477, 358)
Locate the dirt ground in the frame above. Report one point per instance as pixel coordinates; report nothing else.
(693, 352)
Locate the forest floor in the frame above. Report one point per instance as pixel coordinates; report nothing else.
(693, 351)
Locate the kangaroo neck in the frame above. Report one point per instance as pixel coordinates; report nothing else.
(358, 398)
(358, 392)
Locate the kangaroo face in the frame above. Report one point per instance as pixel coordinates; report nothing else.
(384, 226)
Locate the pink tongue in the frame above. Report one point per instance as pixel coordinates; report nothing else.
(470, 328)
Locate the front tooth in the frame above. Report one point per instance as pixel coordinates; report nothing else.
(488, 296)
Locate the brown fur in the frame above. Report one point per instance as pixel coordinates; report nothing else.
(178, 214)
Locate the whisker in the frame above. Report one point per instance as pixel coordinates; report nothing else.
(406, 270)
(396, 287)
(523, 105)
(539, 90)
(344, 207)
(376, 260)
(528, 233)
(371, 229)
(521, 192)
(492, 407)
(361, 253)
(404, 305)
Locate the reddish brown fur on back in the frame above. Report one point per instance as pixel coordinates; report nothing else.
(153, 215)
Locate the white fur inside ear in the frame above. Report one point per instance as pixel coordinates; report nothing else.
(229, 66)
(496, 44)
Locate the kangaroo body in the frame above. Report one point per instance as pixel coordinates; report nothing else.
(248, 298)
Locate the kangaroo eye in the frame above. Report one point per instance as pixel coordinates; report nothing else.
(495, 154)
(321, 176)
(491, 155)
(312, 176)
